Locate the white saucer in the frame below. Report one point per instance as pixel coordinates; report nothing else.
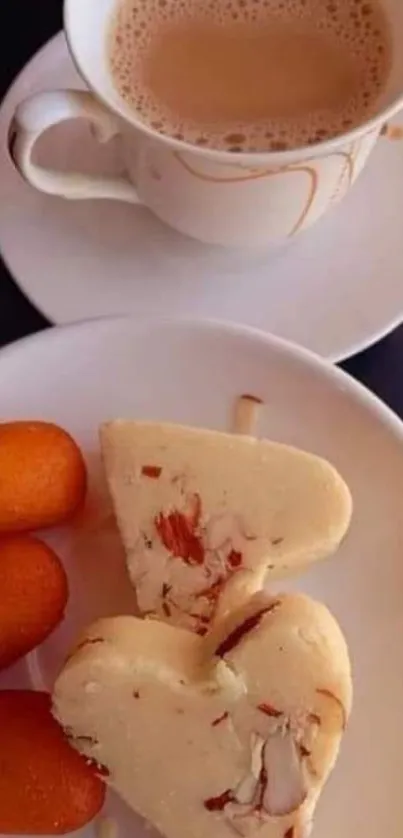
(335, 290)
(307, 403)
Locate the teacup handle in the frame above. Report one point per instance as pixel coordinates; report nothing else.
(38, 113)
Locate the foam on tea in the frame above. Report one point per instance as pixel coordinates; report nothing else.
(250, 75)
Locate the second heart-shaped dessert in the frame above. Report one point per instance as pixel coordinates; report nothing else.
(203, 736)
(207, 517)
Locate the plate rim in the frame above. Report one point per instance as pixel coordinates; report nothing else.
(339, 377)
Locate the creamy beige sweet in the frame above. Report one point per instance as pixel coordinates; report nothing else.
(235, 732)
(206, 517)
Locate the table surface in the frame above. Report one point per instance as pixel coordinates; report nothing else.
(24, 27)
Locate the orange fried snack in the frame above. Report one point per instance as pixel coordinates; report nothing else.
(42, 476)
(33, 596)
(46, 787)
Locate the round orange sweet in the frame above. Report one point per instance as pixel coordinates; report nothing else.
(33, 595)
(46, 787)
(42, 476)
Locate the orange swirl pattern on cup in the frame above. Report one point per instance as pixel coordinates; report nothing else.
(258, 174)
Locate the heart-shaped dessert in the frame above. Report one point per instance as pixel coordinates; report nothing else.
(205, 516)
(203, 736)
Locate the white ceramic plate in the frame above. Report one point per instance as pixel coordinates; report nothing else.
(81, 375)
(335, 290)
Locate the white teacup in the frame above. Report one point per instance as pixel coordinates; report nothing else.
(215, 196)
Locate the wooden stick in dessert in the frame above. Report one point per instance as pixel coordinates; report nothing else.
(246, 415)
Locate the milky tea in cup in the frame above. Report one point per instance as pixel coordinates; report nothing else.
(250, 75)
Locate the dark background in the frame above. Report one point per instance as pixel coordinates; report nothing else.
(24, 26)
